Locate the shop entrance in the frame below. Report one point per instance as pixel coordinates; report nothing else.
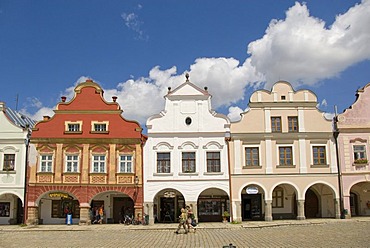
(122, 206)
(353, 204)
(251, 207)
(311, 204)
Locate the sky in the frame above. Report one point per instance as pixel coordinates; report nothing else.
(137, 49)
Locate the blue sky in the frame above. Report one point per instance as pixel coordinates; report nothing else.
(136, 49)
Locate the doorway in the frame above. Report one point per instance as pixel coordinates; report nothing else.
(311, 204)
(122, 206)
(251, 207)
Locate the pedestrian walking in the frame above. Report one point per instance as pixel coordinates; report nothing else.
(182, 221)
(190, 222)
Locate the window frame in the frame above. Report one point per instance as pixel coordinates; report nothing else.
(274, 124)
(211, 165)
(49, 160)
(10, 167)
(74, 167)
(359, 155)
(186, 160)
(123, 163)
(319, 157)
(275, 197)
(285, 157)
(293, 123)
(69, 124)
(246, 159)
(95, 124)
(163, 163)
(99, 161)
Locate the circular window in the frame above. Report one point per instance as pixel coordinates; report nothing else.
(188, 121)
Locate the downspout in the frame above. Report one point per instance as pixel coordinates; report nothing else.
(336, 134)
(25, 201)
(228, 139)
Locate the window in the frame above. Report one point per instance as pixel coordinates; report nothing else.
(319, 155)
(188, 121)
(188, 162)
(285, 156)
(60, 208)
(98, 163)
(46, 163)
(278, 198)
(4, 209)
(125, 163)
(213, 162)
(74, 127)
(359, 153)
(275, 124)
(163, 162)
(9, 162)
(293, 124)
(71, 163)
(100, 127)
(252, 156)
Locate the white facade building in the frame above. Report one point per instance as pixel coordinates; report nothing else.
(14, 137)
(186, 158)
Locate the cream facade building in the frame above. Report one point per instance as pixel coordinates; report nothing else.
(283, 158)
(185, 158)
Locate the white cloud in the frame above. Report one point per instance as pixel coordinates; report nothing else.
(301, 50)
(133, 23)
(234, 113)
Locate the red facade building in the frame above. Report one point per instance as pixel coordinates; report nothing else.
(84, 157)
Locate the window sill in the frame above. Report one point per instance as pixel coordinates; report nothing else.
(163, 174)
(8, 172)
(360, 164)
(71, 172)
(72, 132)
(319, 166)
(213, 173)
(125, 173)
(252, 167)
(285, 166)
(98, 173)
(99, 132)
(45, 172)
(188, 173)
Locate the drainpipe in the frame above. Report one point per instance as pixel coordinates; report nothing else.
(25, 201)
(336, 134)
(228, 139)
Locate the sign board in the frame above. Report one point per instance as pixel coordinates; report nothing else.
(252, 190)
(169, 194)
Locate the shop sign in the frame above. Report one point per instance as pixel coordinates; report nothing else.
(252, 190)
(169, 194)
(59, 195)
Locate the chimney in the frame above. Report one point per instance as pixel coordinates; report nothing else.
(46, 117)
(114, 98)
(63, 98)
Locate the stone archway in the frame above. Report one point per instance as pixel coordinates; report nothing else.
(252, 203)
(360, 199)
(320, 202)
(167, 205)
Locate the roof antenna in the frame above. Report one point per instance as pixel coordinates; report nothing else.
(16, 102)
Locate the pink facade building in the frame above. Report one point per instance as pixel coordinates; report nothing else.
(353, 127)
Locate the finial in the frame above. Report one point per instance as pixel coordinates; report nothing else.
(169, 89)
(187, 76)
(206, 88)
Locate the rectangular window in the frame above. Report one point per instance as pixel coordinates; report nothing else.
(276, 124)
(100, 127)
(285, 156)
(4, 209)
(252, 156)
(293, 124)
(71, 163)
(188, 162)
(125, 163)
(46, 163)
(319, 155)
(213, 162)
(75, 127)
(163, 162)
(278, 198)
(359, 153)
(9, 162)
(98, 163)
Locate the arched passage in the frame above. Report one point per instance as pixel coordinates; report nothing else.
(167, 205)
(360, 199)
(284, 202)
(252, 202)
(320, 201)
(212, 203)
(11, 209)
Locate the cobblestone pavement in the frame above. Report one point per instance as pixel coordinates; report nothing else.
(339, 233)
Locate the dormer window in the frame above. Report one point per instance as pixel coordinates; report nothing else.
(72, 127)
(99, 127)
(75, 127)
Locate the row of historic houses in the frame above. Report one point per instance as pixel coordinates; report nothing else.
(282, 160)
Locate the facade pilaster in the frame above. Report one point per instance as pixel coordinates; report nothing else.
(268, 210)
